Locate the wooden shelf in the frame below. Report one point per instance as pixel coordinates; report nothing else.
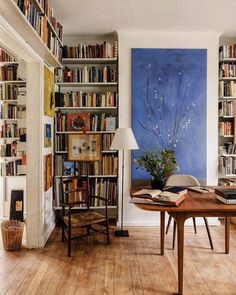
(227, 59)
(73, 132)
(227, 79)
(13, 82)
(86, 108)
(18, 21)
(77, 61)
(89, 84)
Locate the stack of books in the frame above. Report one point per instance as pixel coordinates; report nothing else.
(226, 195)
(171, 196)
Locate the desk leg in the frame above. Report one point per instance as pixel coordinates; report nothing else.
(227, 222)
(180, 219)
(162, 235)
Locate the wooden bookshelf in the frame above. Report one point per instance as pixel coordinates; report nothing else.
(18, 21)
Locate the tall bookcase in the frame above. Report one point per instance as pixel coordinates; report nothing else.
(88, 90)
(227, 115)
(12, 126)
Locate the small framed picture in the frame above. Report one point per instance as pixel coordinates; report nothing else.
(47, 135)
(84, 147)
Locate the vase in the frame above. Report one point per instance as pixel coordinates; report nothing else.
(157, 184)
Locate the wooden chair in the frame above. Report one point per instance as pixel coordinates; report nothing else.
(82, 222)
(185, 180)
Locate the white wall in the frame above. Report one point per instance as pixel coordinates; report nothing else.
(151, 39)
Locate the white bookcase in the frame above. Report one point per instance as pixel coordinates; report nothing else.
(109, 109)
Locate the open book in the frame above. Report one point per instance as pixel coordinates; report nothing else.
(158, 197)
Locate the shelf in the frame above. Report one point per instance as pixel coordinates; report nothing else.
(4, 119)
(230, 175)
(103, 152)
(18, 21)
(21, 175)
(227, 136)
(226, 117)
(9, 159)
(84, 208)
(228, 155)
(10, 138)
(8, 100)
(227, 97)
(20, 82)
(227, 79)
(227, 59)
(86, 108)
(73, 132)
(8, 63)
(90, 176)
(77, 61)
(88, 84)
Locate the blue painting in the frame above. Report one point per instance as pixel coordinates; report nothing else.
(169, 106)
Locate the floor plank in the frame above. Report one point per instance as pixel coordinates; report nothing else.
(129, 266)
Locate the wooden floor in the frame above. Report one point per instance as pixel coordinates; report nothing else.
(128, 266)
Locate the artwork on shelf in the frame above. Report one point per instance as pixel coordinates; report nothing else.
(84, 147)
(169, 106)
(47, 135)
(49, 99)
(47, 172)
(69, 168)
(78, 122)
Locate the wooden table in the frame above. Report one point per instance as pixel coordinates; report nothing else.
(195, 205)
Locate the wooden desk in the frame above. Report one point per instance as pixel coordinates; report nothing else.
(195, 205)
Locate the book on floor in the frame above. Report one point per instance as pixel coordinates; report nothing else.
(159, 197)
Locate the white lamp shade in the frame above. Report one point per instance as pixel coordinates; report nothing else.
(124, 140)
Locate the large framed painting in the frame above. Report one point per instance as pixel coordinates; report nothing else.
(49, 99)
(84, 147)
(169, 106)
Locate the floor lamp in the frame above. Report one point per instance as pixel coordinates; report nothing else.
(123, 140)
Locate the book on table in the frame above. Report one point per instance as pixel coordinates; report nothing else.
(172, 196)
(226, 195)
(201, 189)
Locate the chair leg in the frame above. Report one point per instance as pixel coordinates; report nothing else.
(108, 234)
(174, 234)
(208, 232)
(62, 233)
(168, 224)
(69, 242)
(194, 225)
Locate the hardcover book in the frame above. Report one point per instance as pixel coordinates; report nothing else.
(158, 197)
(226, 193)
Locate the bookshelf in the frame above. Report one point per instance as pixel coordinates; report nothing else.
(88, 87)
(44, 36)
(12, 128)
(227, 115)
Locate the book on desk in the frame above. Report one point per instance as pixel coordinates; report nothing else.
(172, 196)
(226, 195)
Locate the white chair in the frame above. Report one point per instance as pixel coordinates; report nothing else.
(185, 180)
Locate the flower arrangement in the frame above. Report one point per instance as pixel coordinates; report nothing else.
(159, 163)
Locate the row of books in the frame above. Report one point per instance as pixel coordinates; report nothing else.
(64, 167)
(11, 130)
(11, 91)
(88, 74)
(13, 168)
(8, 73)
(227, 70)
(227, 88)
(8, 111)
(227, 165)
(226, 128)
(86, 99)
(104, 50)
(5, 57)
(227, 148)
(9, 149)
(61, 142)
(227, 108)
(41, 26)
(102, 187)
(85, 122)
(227, 51)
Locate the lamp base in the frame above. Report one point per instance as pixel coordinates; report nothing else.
(121, 233)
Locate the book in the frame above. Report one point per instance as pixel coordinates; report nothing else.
(226, 201)
(226, 193)
(201, 189)
(180, 190)
(158, 197)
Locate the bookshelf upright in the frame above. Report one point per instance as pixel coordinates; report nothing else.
(88, 90)
(227, 115)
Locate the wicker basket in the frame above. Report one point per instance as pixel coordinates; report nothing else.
(12, 232)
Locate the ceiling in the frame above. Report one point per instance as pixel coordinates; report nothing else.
(105, 16)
